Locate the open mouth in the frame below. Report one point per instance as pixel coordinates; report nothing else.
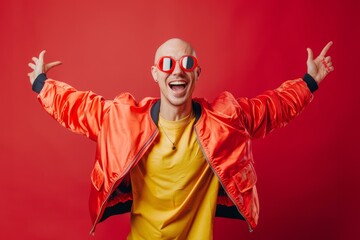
(177, 85)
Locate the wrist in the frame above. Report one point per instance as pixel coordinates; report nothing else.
(310, 82)
(39, 82)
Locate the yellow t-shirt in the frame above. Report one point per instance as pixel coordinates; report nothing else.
(174, 191)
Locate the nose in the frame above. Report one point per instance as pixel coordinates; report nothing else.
(177, 68)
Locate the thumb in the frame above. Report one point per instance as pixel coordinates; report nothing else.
(51, 65)
(310, 55)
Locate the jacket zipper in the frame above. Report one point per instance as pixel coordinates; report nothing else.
(140, 153)
(231, 198)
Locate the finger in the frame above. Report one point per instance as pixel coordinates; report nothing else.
(325, 49)
(327, 59)
(52, 64)
(35, 59)
(327, 65)
(32, 66)
(310, 54)
(41, 55)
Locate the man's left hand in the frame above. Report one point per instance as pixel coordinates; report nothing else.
(321, 66)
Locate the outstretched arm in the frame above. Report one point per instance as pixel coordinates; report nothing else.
(80, 111)
(274, 109)
(38, 66)
(321, 66)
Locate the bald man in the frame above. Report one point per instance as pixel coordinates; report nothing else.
(175, 162)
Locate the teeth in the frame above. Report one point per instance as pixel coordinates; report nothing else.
(177, 83)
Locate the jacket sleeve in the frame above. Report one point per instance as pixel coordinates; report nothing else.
(80, 111)
(274, 109)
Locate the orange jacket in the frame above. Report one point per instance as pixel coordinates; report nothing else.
(125, 129)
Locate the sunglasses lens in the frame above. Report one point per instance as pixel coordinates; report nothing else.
(166, 64)
(188, 63)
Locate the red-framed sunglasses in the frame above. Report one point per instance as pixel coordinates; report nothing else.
(167, 64)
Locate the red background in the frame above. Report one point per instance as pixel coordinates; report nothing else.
(307, 172)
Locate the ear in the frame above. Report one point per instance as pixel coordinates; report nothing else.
(154, 73)
(198, 71)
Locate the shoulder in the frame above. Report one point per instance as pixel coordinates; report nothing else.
(219, 103)
(128, 98)
(223, 105)
(127, 101)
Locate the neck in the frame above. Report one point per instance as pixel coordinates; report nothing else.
(174, 113)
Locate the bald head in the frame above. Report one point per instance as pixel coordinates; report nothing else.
(174, 47)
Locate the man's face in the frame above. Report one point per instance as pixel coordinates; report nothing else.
(177, 87)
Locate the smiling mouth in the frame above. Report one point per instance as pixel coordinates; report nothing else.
(177, 85)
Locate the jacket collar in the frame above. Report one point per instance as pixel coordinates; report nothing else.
(155, 110)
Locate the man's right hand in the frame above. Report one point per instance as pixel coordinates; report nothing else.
(38, 66)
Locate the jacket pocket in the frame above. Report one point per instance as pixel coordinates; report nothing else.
(97, 176)
(246, 178)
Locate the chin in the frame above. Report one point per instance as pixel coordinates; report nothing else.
(178, 101)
